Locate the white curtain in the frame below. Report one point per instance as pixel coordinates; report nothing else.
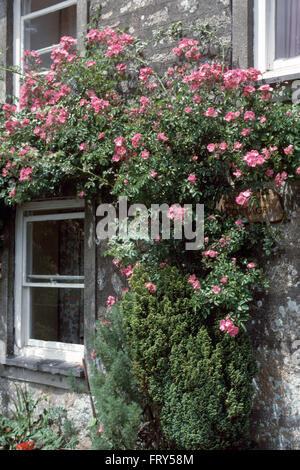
(287, 24)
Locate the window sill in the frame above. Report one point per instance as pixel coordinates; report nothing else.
(44, 365)
(285, 73)
(41, 371)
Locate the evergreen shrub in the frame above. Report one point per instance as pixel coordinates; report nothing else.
(197, 379)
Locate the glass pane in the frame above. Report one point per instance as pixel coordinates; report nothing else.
(47, 30)
(29, 6)
(46, 60)
(287, 32)
(57, 314)
(55, 248)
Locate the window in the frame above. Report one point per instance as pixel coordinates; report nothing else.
(277, 37)
(39, 25)
(49, 281)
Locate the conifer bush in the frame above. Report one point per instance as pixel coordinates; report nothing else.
(117, 399)
(198, 380)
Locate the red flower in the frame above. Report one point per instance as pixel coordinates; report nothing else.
(28, 445)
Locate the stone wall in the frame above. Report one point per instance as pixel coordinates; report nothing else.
(78, 406)
(275, 332)
(145, 18)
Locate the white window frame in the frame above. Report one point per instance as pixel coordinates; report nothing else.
(264, 43)
(18, 34)
(24, 346)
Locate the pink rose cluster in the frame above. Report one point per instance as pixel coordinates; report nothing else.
(98, 104)
(230, 79)
(194, 281)
(151, 287)
(188, 47)
(176, 213)
(120, 149)
(210, 253)
(192, 178)
(218, 148)
(228, 326)
(280, 177)
(145, 73)
(125, 270)
(110, 301)
(211, 112)
(25, 174)
(243, 198)
(128, 271)
(254, 158)
(115, 42)
(232, 115)
(136, 140)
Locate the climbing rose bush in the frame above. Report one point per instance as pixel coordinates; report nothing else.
(107, 125)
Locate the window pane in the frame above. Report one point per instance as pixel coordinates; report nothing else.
(287, 33)
(57, 315)
(46, 60)
(55, 247)
(28, 6)
(47, 30)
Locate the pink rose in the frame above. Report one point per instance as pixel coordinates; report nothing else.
(211, 112)
(176, 213)
(128, 271)
(243, 198)
(210, 253)
(194, 281)
(145, 154)
(100, 430)
(269, 173)
(136, 140)
(211, 147)
(288, 150)
(161, 136)
(249, 116)
(245, 132)
(228, 326)
(110, 300)
(93, 355)
(237, 146)
(151, 287)
(237, 173)
(192, 178)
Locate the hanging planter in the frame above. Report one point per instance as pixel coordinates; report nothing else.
(267, 207)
